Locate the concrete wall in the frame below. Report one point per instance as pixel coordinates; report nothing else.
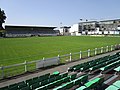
(74, 30)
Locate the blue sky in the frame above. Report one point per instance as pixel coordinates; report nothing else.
(52, 12)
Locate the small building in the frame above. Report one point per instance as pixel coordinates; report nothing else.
(29, 30)
(64, 30)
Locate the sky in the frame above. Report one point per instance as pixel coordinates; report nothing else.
(58, 12)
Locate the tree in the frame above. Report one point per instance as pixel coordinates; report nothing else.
(2, 18)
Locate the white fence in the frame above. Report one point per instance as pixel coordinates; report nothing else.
(17, 69)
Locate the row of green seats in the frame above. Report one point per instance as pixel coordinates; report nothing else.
(80, 80)
(110, 65)
(26, 83)
(55, 83)
(103, 63)
(114, 86)
(84, 66)
(50, 80)
(90, 63)
(30, 82)
(93, 84)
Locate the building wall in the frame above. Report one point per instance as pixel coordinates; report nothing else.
(74, 30)
(95, 27)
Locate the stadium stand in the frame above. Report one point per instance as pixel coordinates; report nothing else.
(25, 31)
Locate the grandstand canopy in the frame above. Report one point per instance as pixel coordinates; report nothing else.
(29, 26)
(29, 30)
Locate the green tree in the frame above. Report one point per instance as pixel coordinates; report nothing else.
(2, 18)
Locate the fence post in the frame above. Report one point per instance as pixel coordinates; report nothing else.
(88, 52)
(106, 48)
(80, 54)
(25, 66)
(43, 61)
(2, 68)
(111, 47)
(58, 59)
(70, 57)
(101, 49)
(95, 51)
(115, 47)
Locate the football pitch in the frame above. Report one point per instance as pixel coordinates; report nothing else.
(17, 50)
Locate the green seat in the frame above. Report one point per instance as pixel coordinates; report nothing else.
(44, 77)
(22, 84)
(93, 83)
(85, 67)
(64, 75)
(24, 88)
(56, 73)
(59, 82)
(72, 77)
(69, 85)
(58, 77)
(77, 81)
(27, 81)
(52, 76)
(84, 79)
(117, 69)
(117, 84)
(44, 82)
(82, 88)
(30, 83)
(35, 78)
(81, 80)
(50, 85)
(66, 79)
(35, 85)
(72, 68)
(60, 88)
(41, 88)
(51, 79)
(78, 67)
(4, 88)
(112, 87)
(13, 87)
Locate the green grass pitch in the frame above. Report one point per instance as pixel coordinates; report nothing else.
(17, 50)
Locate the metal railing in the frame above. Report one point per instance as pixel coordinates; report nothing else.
(16, 69)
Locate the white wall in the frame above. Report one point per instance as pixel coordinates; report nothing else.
(74, 29)
(61, 30)
(118, 28)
